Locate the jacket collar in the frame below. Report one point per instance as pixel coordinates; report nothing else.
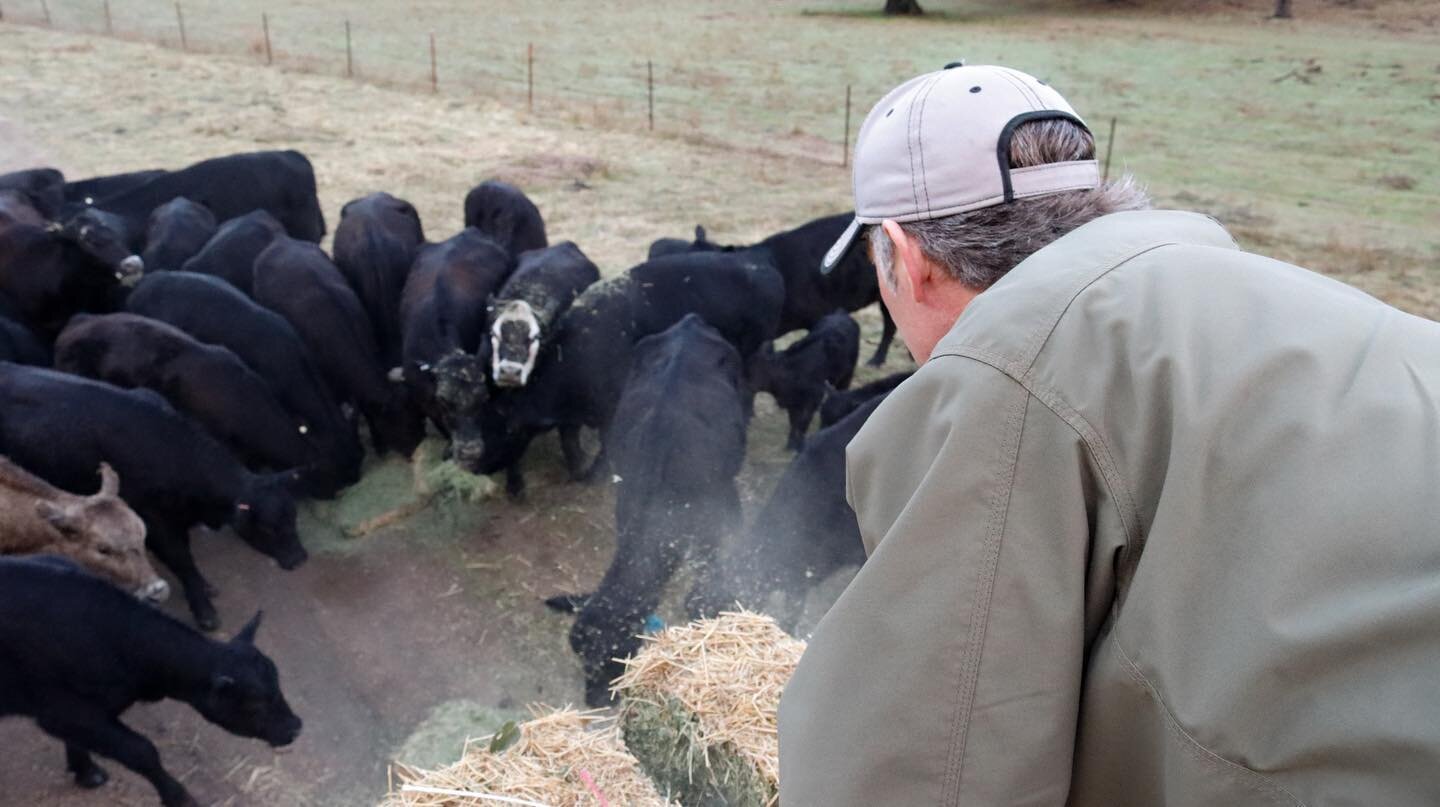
(1010, 321)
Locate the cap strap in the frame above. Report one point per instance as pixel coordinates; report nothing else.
(1003, 146)
(1039, 180)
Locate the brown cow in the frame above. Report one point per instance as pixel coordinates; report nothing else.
(100, 532)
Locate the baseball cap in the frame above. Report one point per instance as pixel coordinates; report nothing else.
(939, 144)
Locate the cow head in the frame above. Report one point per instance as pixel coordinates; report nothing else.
(515, 342)
(600, 636)
(101, 236)
(104, 535)
(264, 517)
(243, 694)
(461, 396)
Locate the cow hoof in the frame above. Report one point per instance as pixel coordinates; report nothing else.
(876, 361)
(91, 777)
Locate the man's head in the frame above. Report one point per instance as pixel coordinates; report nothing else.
(960, 175)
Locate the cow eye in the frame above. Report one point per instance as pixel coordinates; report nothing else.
(108, 551)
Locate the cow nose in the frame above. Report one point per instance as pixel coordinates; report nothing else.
(157, 591)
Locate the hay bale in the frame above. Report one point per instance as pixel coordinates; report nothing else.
(559, 758)
(700, 706)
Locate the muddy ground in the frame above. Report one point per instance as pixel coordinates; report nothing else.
(415, 634)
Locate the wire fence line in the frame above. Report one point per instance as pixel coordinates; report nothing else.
(686, 101)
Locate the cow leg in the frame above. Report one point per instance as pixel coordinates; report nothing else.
(515, 481)
(172, 547)
(887, 335)
(87, 774)
(574, 453)
(799, 422)
(91, 730)
(601, 461)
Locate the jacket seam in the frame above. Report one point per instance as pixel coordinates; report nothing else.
(964, 697)
(1245, 776)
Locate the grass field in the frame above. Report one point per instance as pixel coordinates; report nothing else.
(1317, 140)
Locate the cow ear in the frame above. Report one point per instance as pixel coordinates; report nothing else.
(109, 480)
(56, 517)
(699, 234)
(247, 633)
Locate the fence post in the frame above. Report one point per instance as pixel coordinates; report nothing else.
(434, 74)
(1109, 149)
(180, 21)
(349, 57)
(845, 155)
(530, 77)
(650, 90)
(109, 20)
(45, 7)
(265, 23)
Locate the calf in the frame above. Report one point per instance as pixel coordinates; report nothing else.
(375, 245)
(677, 443)
(803, 533)
(296, 280)
(799, 375)
(545, 283)
(230, 253)
(503, 212)
(61, 427)
(50, 272)
(216, 313)
(176, 232)
(839, 403)
(206, 382)
(282, 183)
(98, 532)
(810, 295)
(443, 313)
(75, 654)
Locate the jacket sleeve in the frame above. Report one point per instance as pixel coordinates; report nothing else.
(949, 671)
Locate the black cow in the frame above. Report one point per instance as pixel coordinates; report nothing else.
(76, 653)
(799, 375)
(44, 187)
(675, 246)
(677, 443)
(16, 207)
(281, 183)
(522, 317)
(216, 313)
(503, 212)
(839, 403)
(230, 253)
(804, 532)
(809, 295)
(442, 312)
(176, 232)
(175, 475)
(580, 375)
(206, 382)
(48, 273)
(95, 190)
(296, 280)
(375, 245)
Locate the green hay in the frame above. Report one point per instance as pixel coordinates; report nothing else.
(440, 738)
(662, 738)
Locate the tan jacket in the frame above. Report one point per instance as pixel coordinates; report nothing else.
(1158, 523)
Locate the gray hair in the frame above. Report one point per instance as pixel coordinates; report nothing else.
(977, 248)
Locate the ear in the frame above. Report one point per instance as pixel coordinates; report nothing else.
(53, 515)
(912, 268)
(247, 633)
(699, 234)
(568, 603)
(109, 480)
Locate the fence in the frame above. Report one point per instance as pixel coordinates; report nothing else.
(679, 100)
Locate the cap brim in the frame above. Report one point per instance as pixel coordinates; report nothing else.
(841, 248)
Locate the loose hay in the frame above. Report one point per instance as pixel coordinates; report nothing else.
(700, 708)
(561, 758)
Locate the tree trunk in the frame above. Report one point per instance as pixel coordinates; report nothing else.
(1282, 9)
(913, 7)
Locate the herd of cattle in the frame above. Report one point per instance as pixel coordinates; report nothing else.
(176, 350)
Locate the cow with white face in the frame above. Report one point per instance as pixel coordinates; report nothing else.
(545, 283)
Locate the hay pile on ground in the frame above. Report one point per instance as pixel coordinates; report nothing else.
(559, 759)
(700, 708)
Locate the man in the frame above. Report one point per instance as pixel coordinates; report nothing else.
(1156, 522)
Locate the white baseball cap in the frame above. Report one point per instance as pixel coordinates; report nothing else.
(939, 144)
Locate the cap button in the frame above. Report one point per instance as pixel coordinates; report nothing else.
(960, 63)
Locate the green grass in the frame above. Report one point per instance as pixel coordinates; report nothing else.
(1205, 113)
